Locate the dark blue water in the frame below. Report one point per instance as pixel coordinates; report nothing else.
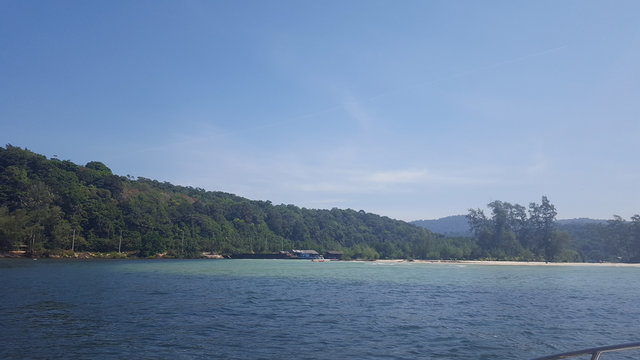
(271, 309)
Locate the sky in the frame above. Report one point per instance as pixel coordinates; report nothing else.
(407, 109)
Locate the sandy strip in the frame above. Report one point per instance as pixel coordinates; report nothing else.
(511, 263)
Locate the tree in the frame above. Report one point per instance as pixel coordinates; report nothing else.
(509, 233)
(548, 214)
(541, 227)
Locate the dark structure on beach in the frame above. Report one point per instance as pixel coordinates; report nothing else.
(333, 255)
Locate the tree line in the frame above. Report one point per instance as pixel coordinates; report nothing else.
(53, 207)
(614, 240)
(513, 232)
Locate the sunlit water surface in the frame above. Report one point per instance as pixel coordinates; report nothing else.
(294, 309)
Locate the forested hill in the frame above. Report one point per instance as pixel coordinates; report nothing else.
(49, 205)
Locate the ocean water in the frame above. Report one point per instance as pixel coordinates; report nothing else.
(295, 309)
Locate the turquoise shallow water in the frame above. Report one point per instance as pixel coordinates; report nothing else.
(290, 309)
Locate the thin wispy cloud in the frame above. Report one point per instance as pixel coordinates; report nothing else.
(538, 165)
(355, 108)
(399, 177)
(362, 182)
(356, 111)
(296, 119)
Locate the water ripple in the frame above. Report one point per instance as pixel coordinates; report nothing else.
(255, 310)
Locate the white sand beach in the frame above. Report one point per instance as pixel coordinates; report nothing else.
(511, 263)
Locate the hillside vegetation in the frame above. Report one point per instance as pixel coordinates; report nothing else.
(54, 207)
(49, 206)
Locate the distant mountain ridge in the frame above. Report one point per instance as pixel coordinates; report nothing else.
(457, 225)
(581, 221)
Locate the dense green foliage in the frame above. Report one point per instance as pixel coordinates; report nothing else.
(515, 232)
(53, 206)
(48, 205)
(613, 240)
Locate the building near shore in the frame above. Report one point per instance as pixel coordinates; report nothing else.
(306, 254)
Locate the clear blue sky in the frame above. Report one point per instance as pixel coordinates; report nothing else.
(409, 109)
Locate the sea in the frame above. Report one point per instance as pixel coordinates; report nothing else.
(298, 309)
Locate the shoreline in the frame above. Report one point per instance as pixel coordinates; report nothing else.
(124, 256)
(511, 263)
